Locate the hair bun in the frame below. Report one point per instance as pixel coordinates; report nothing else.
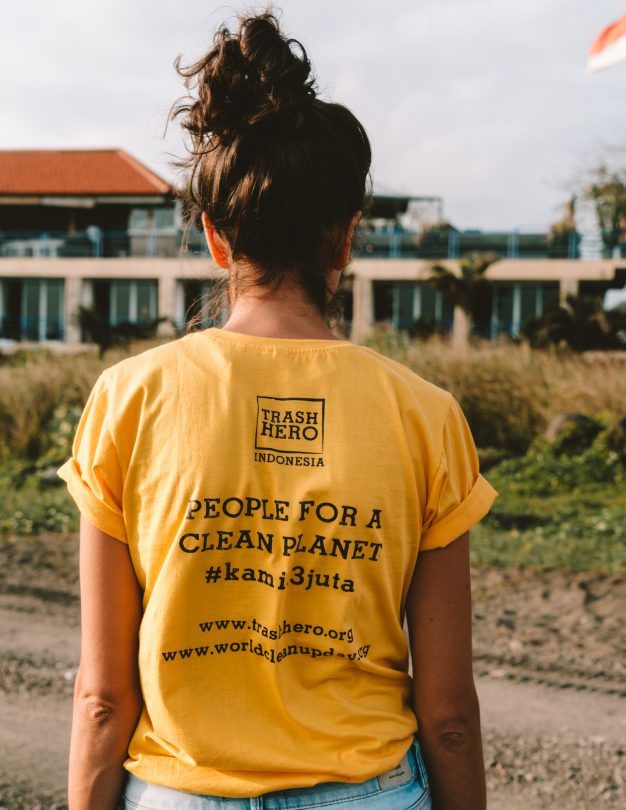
(252, 77)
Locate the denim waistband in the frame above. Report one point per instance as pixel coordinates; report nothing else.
(141, 794)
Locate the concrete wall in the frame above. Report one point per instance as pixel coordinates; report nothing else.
(169, 272)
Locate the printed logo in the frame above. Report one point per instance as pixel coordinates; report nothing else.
(290, 425)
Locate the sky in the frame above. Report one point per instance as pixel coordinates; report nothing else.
(485, 103)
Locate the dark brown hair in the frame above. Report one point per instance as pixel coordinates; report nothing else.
(279, 172)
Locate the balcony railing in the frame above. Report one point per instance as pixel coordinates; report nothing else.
(95, 243)
(456, 244)
(92, 244)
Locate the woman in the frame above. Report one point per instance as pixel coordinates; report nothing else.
(272, 488)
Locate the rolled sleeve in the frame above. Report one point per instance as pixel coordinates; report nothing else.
(458, 495)
(93, 473)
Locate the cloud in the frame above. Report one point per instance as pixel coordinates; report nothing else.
(482, 102)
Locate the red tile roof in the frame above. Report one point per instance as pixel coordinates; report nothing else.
(78, 172)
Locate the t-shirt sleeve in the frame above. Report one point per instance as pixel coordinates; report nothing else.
(93, 473)
(458, 495)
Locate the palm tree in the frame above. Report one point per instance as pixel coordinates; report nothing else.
(462, 289)
(97, 329)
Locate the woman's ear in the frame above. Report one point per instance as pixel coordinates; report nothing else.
(217, 245)
(349, 236)
(333, 276)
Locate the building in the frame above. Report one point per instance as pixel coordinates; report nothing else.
(67, 218)
(395, 291)
(534, 272)
(98, 229)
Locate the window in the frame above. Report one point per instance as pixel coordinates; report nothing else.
(403, 294)
(53, 320)
(164, 217)
(139, 219)
(146, 301)
(529, 302)
(133, 301)
(42, 309)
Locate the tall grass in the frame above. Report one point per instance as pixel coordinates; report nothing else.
(552, 511)
(34, 384)
(509, 392)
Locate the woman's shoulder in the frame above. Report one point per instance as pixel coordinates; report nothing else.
(139, 371)
(156, 369)
(404, 378)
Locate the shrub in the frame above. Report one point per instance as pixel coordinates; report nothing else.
(511, 393)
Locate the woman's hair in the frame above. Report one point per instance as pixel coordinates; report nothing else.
(279, 172)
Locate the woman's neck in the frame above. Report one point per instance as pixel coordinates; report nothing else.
(282, 315)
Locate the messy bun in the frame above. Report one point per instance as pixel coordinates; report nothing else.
(278, 171)
(247, 80)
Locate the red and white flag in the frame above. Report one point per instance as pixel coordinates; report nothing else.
(609, 47)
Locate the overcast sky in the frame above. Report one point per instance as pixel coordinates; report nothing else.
(483, 102)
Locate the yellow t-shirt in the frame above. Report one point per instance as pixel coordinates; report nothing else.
(274, 494)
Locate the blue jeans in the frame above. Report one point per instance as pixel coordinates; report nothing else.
(404, 787)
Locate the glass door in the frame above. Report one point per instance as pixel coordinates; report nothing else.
(42, 309)
(133, 301)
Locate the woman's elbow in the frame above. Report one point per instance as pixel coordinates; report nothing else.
(96, 709)
(99, 704)
(454, 725)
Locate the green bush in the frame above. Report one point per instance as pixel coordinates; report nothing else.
(58, 433)
(558, 510)
(552, 467)
(32, 501)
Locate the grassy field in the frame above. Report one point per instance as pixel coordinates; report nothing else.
(561, 501)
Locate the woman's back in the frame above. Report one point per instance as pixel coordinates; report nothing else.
(273, 488)
(276, 493)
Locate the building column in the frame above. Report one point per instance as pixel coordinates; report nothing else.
(86, 293)
(179, 304)
(516, 319)
(567, 286)
(71, 299)
(167, 304)
(362, 308)
(417, 302)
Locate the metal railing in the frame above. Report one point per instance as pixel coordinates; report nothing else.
(456, 244)
(96, 243)
(92, 243)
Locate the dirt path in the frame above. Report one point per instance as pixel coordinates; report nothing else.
(549, 666)
(531, 709)
(34, 743)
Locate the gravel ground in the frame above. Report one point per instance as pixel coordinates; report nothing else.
(549, 663)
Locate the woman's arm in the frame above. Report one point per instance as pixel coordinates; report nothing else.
(107, 694)
(439, 618)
